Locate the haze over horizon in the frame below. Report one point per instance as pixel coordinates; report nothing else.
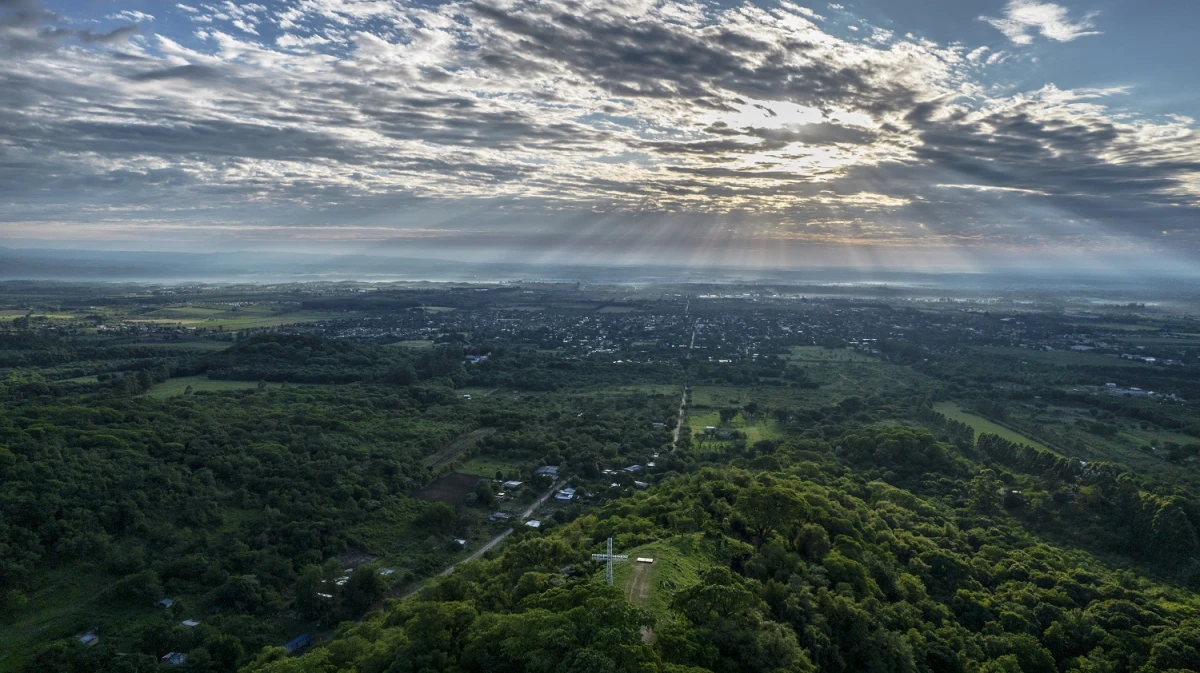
(933, 136)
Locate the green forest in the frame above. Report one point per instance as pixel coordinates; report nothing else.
(805, 564)
(319, 499)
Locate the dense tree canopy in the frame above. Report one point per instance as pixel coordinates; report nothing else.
(831, 520)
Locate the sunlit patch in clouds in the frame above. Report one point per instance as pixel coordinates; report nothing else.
(1023, 18)
(761, 121)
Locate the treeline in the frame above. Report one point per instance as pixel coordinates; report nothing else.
(44, 350)
(1121, 513)
(525, 369)
(1174, 417)
(956, 432)
(302, 359)
(305, 359)
(768, 370)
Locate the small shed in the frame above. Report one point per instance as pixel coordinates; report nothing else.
(164, 603)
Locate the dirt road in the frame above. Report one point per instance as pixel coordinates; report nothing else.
(529, 511)
(640, 584)
(455, 447)
(478, 552)
(683, 398)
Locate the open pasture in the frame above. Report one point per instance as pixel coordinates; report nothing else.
(982, 425)
(231, 317)
(487, 466)
(755, 428)
(420, 344)
(1059, 357)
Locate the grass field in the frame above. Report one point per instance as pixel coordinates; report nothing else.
(1181, 340)
(81, 379)
(412, 343)
(1066, 358)
(488, 466)
(475, 391)
(199, 384)
(231, 318)
(982, 425)
(755, 429)
(646, 388)
(678, 564)
(8, 316)
(200, 316)
(202, 384)
(198, 344)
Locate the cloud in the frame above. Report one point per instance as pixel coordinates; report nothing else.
(1024, 18)
(132, 15)
(570, 114)
(114, 36)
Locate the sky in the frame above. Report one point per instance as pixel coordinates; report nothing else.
(922, 134)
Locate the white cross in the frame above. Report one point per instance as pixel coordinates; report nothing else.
(609, 557)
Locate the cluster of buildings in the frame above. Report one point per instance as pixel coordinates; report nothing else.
(1134, 391)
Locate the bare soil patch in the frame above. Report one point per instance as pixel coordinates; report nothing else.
(451, 489)
(641, 583)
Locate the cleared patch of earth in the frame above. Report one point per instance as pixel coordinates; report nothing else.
(640, 584)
